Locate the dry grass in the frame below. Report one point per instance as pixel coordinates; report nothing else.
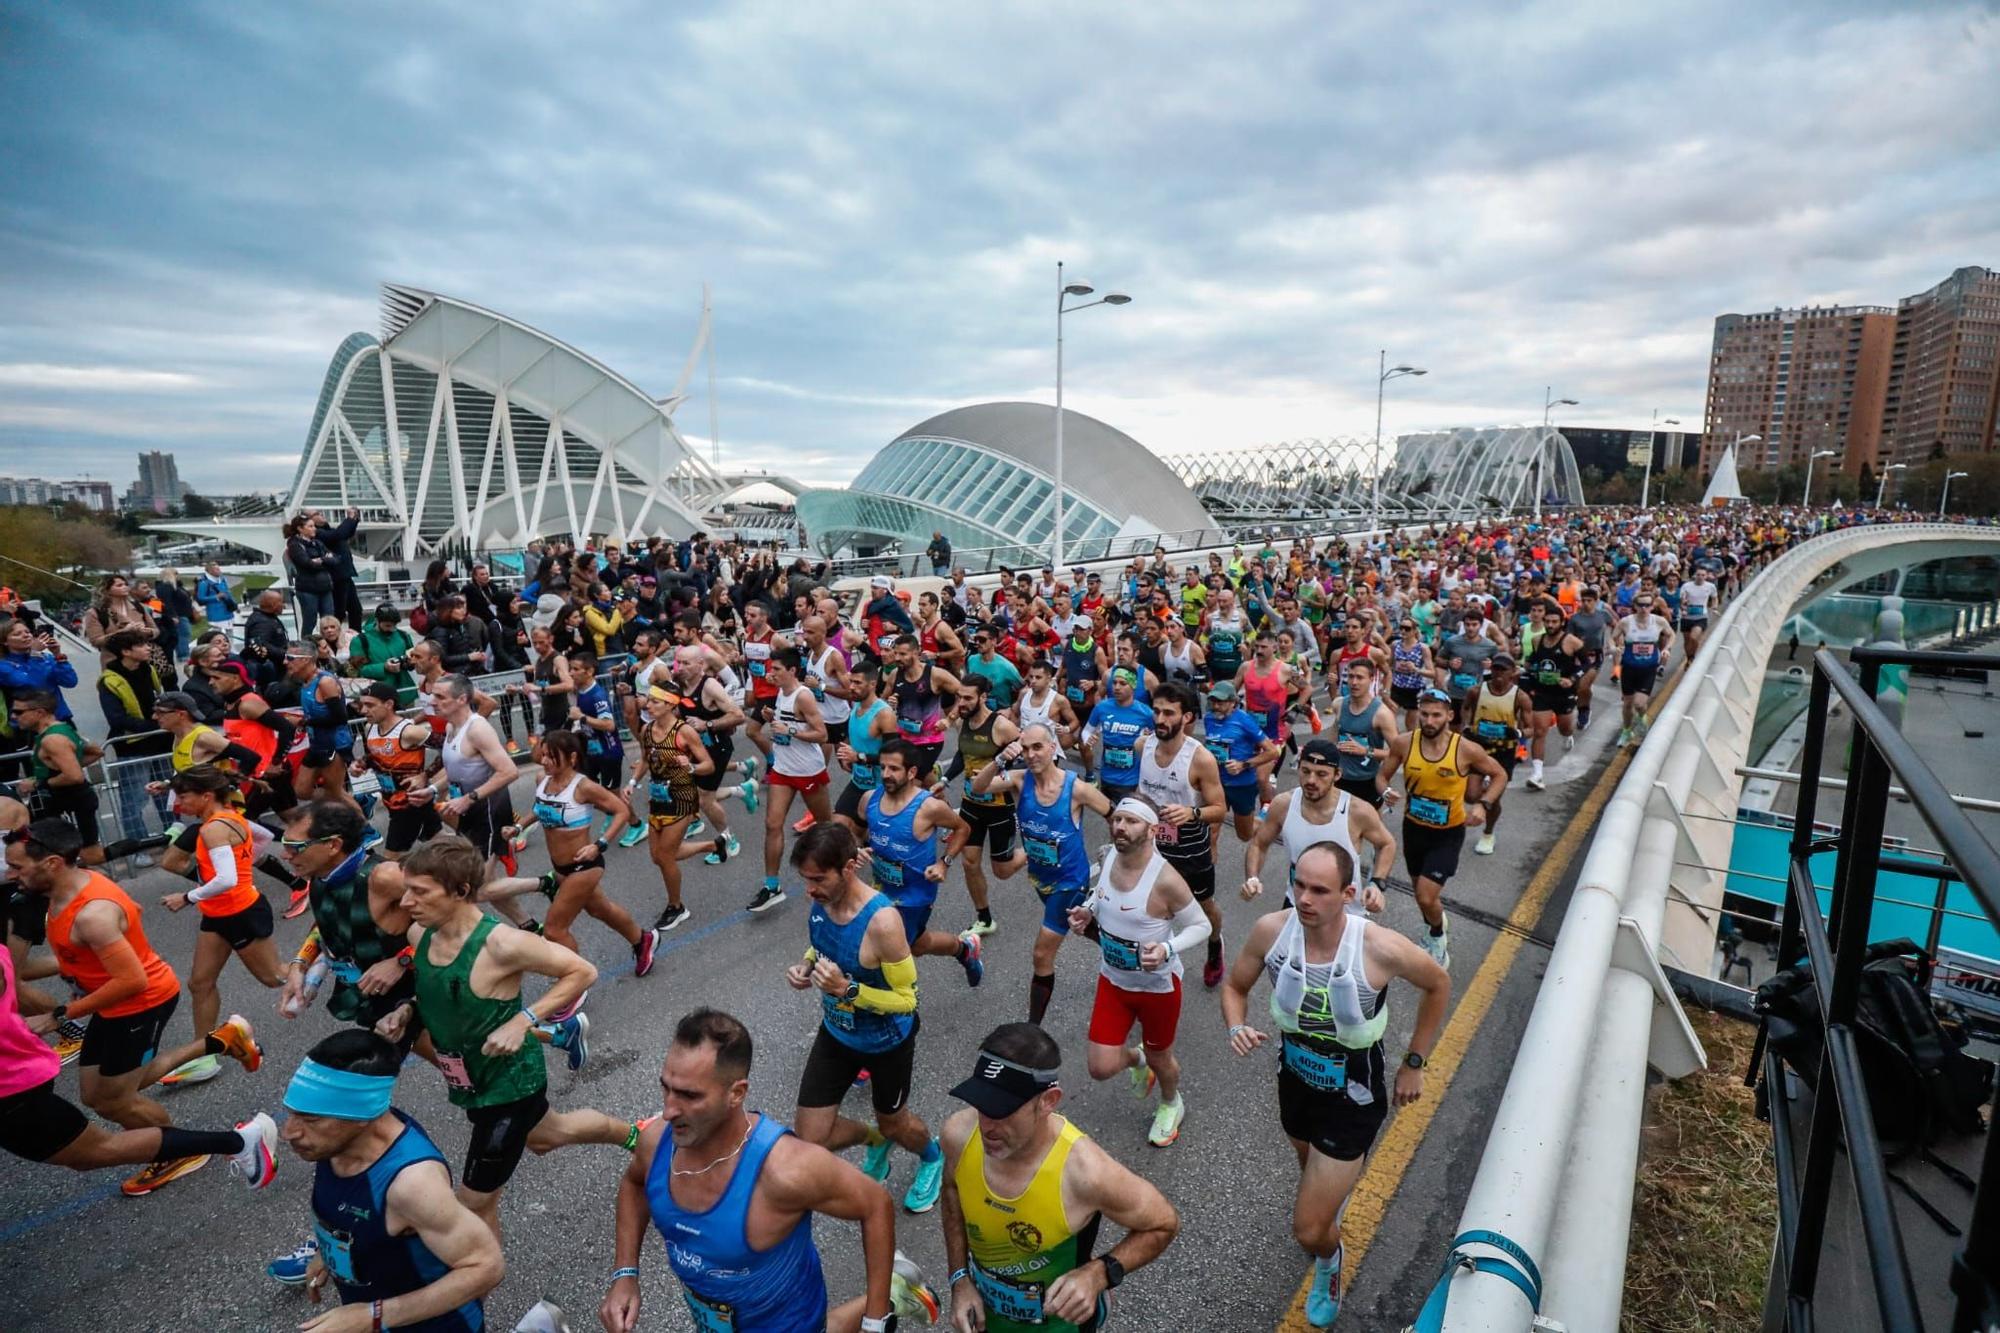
(1706, 1208)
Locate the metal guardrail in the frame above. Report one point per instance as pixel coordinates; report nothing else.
(1556, 1174)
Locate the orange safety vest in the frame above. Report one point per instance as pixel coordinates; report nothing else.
(80, 964)
(245, 894)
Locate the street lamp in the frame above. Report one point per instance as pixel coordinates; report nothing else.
(1385, 373)
(1646, 485)
(1805, 501)
(1065, 290)
(1549, 403)
(1947, 489)
(1882, 482)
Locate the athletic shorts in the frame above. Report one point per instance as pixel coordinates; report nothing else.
(1362, 789)
(1056, 904)
(26, 914)
(1403, 696)
(75, 806)
(1157, 1012)
(1431, 853)
(1115, 792)
(1589, 660)
(1504, 755)
(37, 1124)
(1242, 800)
(499, 1137)
(836, 732)
(851, 799)
(411, 825)
(1686, 623)
(1560, 702)
(993, 827)
(832, 1065)
(482, 822)
(757, 707)
(915, 920)
(606, 770)
(1329, 1120)
(242, 929)
(1637, 680)
(1198, 871)
(927, 757)
(115, 1046)
(810, 783)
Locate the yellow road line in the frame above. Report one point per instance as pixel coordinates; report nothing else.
(1397, 1147)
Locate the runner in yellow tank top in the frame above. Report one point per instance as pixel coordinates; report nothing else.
(1024, 1193)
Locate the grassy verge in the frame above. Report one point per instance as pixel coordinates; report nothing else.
(1706, 1207)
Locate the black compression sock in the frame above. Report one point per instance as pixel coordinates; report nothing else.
(985, 916)
(178, 1143)
(1040, 990)
(281, 872)
(1214, 947)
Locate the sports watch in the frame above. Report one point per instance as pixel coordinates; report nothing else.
(886, 1324)
(1414, 1061)
(1114, 1272)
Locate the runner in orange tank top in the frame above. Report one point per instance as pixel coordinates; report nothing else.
(234, 915)
(126, 990)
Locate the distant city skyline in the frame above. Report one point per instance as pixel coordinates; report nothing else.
(878, 198)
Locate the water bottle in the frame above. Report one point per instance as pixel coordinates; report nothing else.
(315, 978)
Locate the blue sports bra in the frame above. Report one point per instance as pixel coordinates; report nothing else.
(562, 809)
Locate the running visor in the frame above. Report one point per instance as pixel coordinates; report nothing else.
(999, 1087)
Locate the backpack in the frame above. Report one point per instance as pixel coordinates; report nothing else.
(1922, 1086)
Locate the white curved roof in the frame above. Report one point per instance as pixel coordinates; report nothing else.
(1100, 463)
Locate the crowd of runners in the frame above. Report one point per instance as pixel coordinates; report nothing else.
(1131, 741)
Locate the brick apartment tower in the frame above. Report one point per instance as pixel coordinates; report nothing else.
(1805, 380)
(1944, 373)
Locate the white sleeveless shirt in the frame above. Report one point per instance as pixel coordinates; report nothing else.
(1124, 924)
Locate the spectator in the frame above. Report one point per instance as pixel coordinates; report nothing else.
(176, 613)
(939, 552)
(35, 662)
(381, 653)
(211, 590)
(210, 653)
(603, 621)
(116, 611)
(127, 688)
(460, 639)
(483, 596)
(312, 571)
(337, 539)
(331, 645)
(265, 639)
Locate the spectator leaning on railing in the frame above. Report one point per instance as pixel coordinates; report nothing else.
(265, 638)
(127, 687)
(460, 639)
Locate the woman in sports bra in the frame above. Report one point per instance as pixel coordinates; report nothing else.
(566, 804)
(671, 758)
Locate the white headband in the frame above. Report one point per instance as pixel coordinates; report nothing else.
(1138, 809)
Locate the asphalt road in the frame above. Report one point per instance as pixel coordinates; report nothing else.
(78, 1255)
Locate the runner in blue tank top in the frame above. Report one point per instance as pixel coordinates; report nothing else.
(862, 967)
(392, 1235)
(1119, 724)
(903, 822)
(1050, 813)
(733, 1193)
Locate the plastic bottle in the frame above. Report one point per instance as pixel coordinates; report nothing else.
(315, 978)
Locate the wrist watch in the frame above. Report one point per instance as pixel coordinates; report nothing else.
(886, 1324)
(853, 989)
(60, 1012)
(1114, 1272)
(1414, 1061)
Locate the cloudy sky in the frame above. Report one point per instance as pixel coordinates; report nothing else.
(201, 200)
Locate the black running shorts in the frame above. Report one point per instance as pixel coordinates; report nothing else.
(993, 827)
(243, 929)
(1330, 1121)
(499, 1137)
(832, 1065)
(1431, 853)
(37, 1124)
(411, 825)
(115, 1046)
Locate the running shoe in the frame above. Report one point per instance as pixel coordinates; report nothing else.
(69, 1040)
(239, 1042)
(1438, 946)
(1143, 1078)
(292, 1269)
(697, 827)
(875, 1162)
(767, 898)
(803, 822)
(922, 1195)
(1167, 1123)
(1484, 847)
(547, 883)
(1569, 743)
(631, 837)
(544, 1316)
(750, 797)
(1211, 971)
(552, 1019)
(750, 769)
(1624, 737)
(371, 837)
(301, 900)
(510, 862)
(159, 1173)
(909, 1295)
(673, 918)
(198, 1070)
(1536, 782)
(984, 925)
(642, 952)
(257, 1164)
(1323, 1297)
(975, 971)
(730, 847)
(572, 1036)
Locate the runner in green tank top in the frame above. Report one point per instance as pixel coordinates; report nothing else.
(488, 1042)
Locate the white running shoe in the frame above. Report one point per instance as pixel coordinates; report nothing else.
(1484, 847)
(257, 1163)
(1438, 946)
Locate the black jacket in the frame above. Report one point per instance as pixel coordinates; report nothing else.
(484, 603)
(335, 540)
(457, 643)
(262, 629)
(312, 564)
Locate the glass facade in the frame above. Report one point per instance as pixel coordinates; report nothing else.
(977, 497)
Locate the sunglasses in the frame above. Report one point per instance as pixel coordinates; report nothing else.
(298, 844)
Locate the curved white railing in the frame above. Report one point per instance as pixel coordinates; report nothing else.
(1556, 1176)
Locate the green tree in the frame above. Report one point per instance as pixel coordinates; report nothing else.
(1977, 493)
(48, 555)
(195, 506)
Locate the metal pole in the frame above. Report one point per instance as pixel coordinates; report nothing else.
(1881, 484)
(1946, 494)
(1652, 443)
(1057, 560)
(1812, 461)
(1381, 383)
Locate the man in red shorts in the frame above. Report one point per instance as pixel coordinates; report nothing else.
(1143, 916)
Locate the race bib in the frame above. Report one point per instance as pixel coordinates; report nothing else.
(1549, 676)
(1316, 1069)
(1122, 954)
(1120, 757)
(888, 874)
(838, 1013)
(1220, 749)
(454, 1071)
(709, 1316)
(1018, 1303)
(756, 668)
(1489, 730)
(336, 1251)
(1464, 680)
(344, 971)
(1042, 852)
(660, 791)
(1428, 810)
(910, 724)
(864, 777)
(1644, 652)
(1075, 693)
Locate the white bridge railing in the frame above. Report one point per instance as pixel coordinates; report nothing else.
(1556, 1177)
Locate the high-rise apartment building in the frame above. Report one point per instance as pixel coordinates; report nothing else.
(1803, 380)
(159, 487)
(95, 495)
(1944, 373)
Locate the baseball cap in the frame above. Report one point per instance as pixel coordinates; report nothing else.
(547, 607)
(1222, 689)
(1081, 622)
(881, 581)
(1503, 662)
(1320, 750)
(999, 1087)
(175, 701)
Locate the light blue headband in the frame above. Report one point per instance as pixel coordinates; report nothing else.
(318, 1089)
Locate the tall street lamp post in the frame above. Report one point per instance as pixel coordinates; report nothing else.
(1946, 495)
(1065, 290)
(1812, 465)
(1652, 445)
(1549, 403)
(1384, 373)
(1882, 482)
